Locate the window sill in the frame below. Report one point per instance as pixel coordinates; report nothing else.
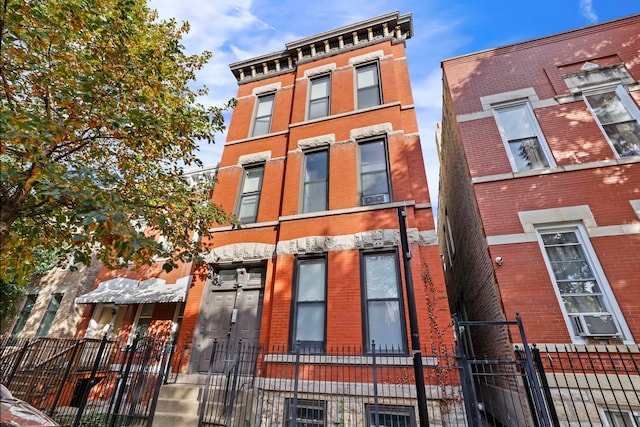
(556, 169)
(324, 359)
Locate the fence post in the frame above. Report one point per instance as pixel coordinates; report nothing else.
(128, 359)
(375, 385)
(234, 384)
(92, 381)
(545, 386)
(294, 409)
(205, 395)
(468, 387)
(72, 362)
(543, 417)
(164, 364)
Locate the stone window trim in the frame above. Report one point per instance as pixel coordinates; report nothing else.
(320, 141)
(582, 214)
(599, 277)
(263, 90)
(254, 158)
(381, 129)
(367, 57)
(317, 71)
(592, 76)
(635, 205)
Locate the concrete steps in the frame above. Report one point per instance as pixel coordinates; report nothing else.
(178, 406)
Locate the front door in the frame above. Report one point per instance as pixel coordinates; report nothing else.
(230, 313)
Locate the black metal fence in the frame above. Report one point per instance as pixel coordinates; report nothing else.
(550, 385)
(86, 382)
(590, 385)
(99, 383)
(251, 385)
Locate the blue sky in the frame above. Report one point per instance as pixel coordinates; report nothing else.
(239, 29)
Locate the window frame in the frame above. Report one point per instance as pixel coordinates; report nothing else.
(307, 346)
(244, 195)
(303, 198)
(393, 252)
(318, 405)
(608, 297)
(49, 315)
(311, 101)
(360, 90)
(632, 415)
(535, 127)
(362, 174)
(393, 410)
(23, 316)
(140, 314)
(259, 99)
(625, 99)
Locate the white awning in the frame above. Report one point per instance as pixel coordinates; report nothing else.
(128, 291)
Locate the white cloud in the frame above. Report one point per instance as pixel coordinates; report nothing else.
(586, 8)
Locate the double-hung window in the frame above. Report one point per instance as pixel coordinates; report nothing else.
(264, 112)
(526, 146)
(368, 86)
(25, 312)
(49, 315)
(619, 119)
(316, 179)
(250, 194)
(622, 417)
(382, 302)
(143, 322)
(309, 299)
(374, 173)
(319, 97)
(583, 291)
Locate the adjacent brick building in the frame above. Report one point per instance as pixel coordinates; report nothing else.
(539, 200)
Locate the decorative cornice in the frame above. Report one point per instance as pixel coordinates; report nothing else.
(391, 26)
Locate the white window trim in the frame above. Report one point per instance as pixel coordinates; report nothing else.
(356, 68)
(134, 325)
(633, 413)
(309, 86)
(536, 128)
(254, 116)
(626, 100)
(301, 197)
(605, 288)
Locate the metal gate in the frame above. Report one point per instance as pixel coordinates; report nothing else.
(502, 391)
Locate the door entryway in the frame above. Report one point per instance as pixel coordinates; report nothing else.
(230, 313)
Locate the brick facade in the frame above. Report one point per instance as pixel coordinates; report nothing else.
(346, 228)
(494, 210)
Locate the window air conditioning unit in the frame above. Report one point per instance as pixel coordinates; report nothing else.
(375, 199)
(596, 325)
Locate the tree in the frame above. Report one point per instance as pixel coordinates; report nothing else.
(97, 115)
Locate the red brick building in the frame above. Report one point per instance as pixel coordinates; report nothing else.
(540, 175)
(322, 151)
